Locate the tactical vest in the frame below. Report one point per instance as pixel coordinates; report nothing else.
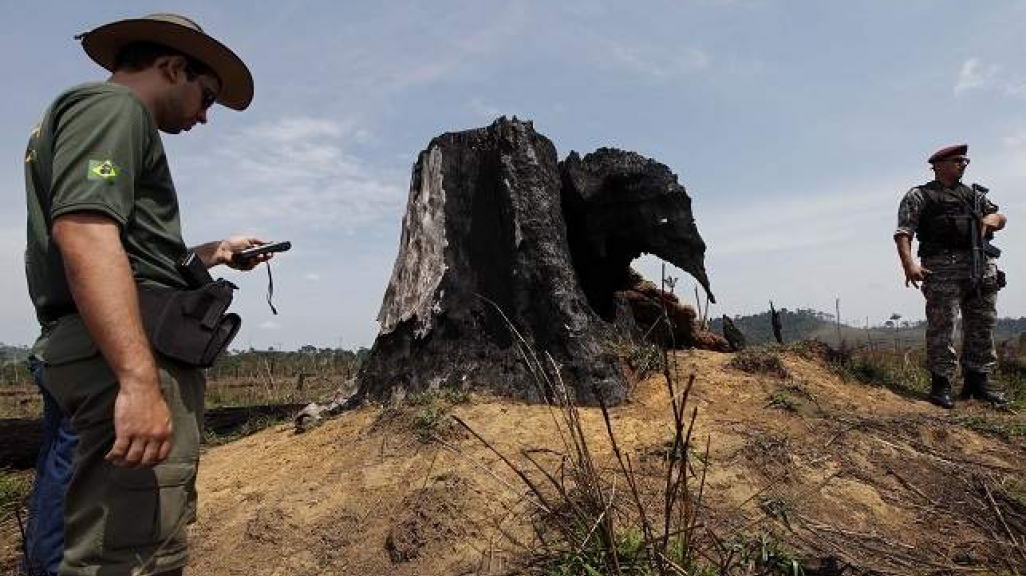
(946, 221)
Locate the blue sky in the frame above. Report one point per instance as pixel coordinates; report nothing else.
(795, 125)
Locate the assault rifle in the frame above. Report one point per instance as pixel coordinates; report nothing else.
(981, 246)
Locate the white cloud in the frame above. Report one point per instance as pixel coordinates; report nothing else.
(842, 215)
(312, 276)
(295, 170)
(270, 325)
(438, 45)
(1014, 141)
(297, 129)
(1015, 91)
(658, 62)
(974, 75)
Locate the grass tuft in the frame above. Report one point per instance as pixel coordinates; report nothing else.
(1008, 428)
(760, 360)
(248, 428)
(14, 491)
(424, 413)
(643, 358)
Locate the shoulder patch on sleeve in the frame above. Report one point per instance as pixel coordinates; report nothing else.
(104, 170)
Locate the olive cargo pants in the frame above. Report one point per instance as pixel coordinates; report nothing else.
(122, 521)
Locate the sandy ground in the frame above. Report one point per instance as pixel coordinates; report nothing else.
(874, 480)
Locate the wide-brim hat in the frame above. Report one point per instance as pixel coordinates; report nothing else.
(178, 33)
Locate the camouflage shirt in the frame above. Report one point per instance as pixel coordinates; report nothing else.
(912, 206)
(947, 264)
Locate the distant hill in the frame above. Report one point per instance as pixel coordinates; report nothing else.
(809, 324)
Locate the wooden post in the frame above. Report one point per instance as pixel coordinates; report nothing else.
(869, 340)
(698, 309)
(837, 319)
(269, 367)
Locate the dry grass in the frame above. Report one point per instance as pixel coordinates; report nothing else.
(635, 517)
(761, 360)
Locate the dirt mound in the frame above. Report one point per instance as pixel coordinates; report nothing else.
(838, 473)
(427, 516)
(846, 478)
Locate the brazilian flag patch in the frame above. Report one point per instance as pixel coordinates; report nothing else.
(104, 170)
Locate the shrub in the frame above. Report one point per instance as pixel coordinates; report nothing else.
(643, 358)
(14, 490)
(760, 360)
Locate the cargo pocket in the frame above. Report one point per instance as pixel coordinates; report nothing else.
(150, 507)
(68, 342)
(71, 359)
(993, 279)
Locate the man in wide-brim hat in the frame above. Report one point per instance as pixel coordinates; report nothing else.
(103, 221)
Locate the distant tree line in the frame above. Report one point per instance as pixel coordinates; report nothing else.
(9, 353)
(806, 324)
(252, 363)
(309, 360)
(797, 324)
(1010, 326)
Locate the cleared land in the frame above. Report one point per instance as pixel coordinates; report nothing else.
(813, 464)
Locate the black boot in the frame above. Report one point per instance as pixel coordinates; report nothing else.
(977, 385)
(940, 391)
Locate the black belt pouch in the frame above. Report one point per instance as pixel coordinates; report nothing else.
(190, 326)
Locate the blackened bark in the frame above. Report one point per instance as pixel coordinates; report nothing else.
(484, 238)
(618, 206)
(486, 273)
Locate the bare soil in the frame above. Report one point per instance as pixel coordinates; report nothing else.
(843, 474)
(873, 481)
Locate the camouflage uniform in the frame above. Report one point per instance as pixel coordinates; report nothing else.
(947, 290)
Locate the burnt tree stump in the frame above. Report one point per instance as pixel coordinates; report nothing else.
(619, 205)
(777, 325)
(499, 257)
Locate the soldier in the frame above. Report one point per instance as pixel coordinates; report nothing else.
(943, 215)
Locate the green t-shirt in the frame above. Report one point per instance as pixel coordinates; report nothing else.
(97, 150)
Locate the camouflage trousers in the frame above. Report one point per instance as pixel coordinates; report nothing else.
(948, 292)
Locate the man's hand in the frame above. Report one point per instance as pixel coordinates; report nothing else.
(992, 223)
(142, 427)
(221, 252)
(914, 274)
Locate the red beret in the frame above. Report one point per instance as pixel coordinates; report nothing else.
(956, 150)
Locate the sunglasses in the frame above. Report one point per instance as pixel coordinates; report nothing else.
(209, 96)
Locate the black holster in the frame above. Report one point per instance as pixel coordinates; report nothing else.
(190, 326)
